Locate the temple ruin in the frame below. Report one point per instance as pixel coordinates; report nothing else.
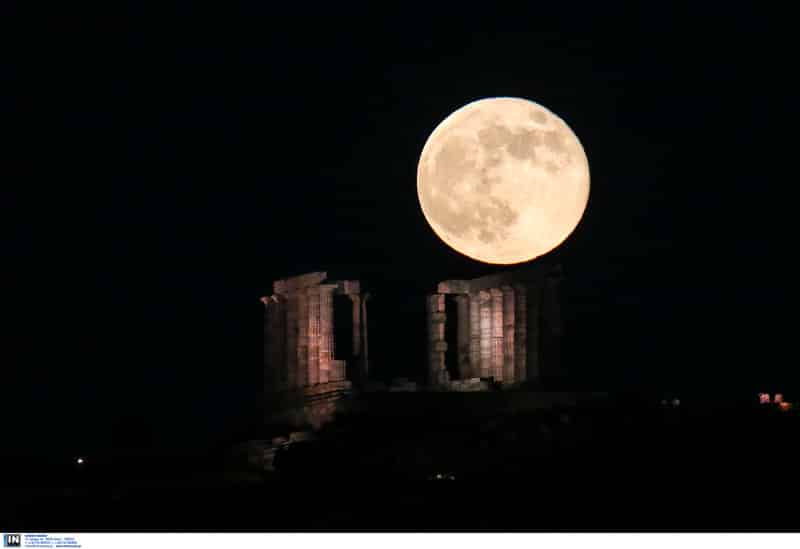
(304, 376)
(507, 327)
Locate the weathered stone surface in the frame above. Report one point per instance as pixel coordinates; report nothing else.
(453, 287)
(501, 319)
(296, 283)
(314, 343)
(520, 332)
(486, 333)
(509, 374)
(463, 343)
(474, 335)
(435, 310)
(299, 368)
(497, 334)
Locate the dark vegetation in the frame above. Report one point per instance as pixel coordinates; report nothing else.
(627, 464)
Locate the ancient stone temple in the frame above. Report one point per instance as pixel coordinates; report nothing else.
(304, 376)
(507, 327)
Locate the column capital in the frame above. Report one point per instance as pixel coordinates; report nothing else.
(269, 299)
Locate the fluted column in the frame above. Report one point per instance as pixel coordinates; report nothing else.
(313, 335)
(270, 368)
(325, 332)
(356, 299)
(291, 340)
(509, 355)
(302, 339)
(475, 335)
(486, 333)
(520, 333)
(497, 334)
(533, 354)
(463, 344)
(437, 373)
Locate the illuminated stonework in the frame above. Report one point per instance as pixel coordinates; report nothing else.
(301, 372)
(507, 327)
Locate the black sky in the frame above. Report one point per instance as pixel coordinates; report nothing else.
(167, 166)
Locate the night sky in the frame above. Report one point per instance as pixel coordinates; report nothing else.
(166, 167)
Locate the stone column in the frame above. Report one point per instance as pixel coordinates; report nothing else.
(356, 299)
(302, 339)
(475, 335)
(462, 302)
(486, 333)
(325, 331)
(534, 302)
(274, 343)
(497, 334)
(364, 338)
(313, 335)
(357, 366)
(437, 373)
(291, 340)
(509, 366)
(270, 368)
(520, 333)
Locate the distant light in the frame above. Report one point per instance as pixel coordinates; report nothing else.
(785, 406)
(79, 461)
(676, 402)
(778, 398)
(764, 398)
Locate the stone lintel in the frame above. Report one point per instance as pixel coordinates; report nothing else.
(453, 287)
(530, 274)
(348, 287)
(295, 283)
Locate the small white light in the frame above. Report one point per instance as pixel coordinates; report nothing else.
(79, 461)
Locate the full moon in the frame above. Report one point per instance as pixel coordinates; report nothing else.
(503, 180)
